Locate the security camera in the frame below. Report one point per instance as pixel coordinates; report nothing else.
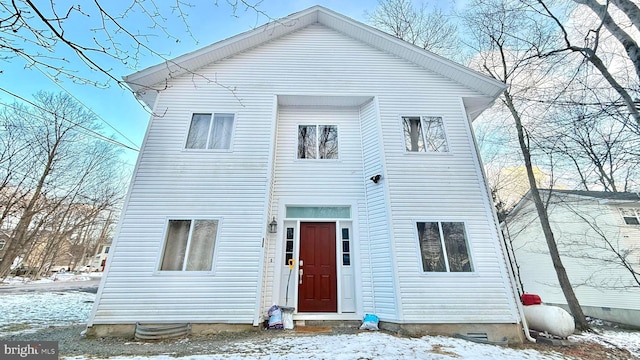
(375, 178)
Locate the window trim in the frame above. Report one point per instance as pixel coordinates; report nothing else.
(622, 217)
(212, 113)
(349, 244)
(163, 245)
(474, 270)
(297, 129)
(444, 129)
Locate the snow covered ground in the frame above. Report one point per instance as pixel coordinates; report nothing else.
(28, 311)
(36, 309)
(370, 345)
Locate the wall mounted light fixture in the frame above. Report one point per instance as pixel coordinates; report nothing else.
(375, 178)
(273, 226)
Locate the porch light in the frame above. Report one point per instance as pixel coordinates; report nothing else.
(273, 226)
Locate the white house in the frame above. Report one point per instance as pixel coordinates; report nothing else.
(598, 237)
(357, 146)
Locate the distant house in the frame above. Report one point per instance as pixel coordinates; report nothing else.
(598, 236)
(333, 147)
(99, 261)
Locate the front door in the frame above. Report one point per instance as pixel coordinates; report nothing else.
(318, 284)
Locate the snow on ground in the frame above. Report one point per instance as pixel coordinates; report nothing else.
(629, 340)
(34, 310)
(370, 345)
(29, 311)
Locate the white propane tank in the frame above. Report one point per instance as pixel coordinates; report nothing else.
(552, 319)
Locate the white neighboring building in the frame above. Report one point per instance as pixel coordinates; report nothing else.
(356, 145)
(598, 237)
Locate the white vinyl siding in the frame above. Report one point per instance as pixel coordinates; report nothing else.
(379, 247)
(318, 189)
(314, 61)
(578, 225)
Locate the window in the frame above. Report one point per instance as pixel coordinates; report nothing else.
(189, 245)
(631, 216)
(318, 212)
(2, 244)
(317, 142)
(424, 134)
(106, 249)
(207, 134)
(346, 251)
(443, 246)
(289, 246)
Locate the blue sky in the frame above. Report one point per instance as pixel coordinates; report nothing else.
(124, 118)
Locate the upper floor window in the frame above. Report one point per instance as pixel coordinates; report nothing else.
(317, 142)
(209, 131)
(189, 245)
(444, 247)
(2, 244)
(631, 216)
(424, 134)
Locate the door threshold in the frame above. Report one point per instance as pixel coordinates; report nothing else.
(326, 316)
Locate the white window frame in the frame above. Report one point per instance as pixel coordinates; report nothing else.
(183, 271)
(317, 158)
(444, 248)
(636, 215)
(424, 138)
(212, 114)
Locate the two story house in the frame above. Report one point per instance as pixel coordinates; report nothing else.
(315, 163)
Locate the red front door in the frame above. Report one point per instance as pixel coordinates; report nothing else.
(317, 291)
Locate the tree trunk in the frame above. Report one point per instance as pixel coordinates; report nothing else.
(20, 238)
(563, 279)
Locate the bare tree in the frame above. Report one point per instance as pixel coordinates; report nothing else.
(430, 29)
(64, 166)
(506, 38)
(63, 39)
(595, 147)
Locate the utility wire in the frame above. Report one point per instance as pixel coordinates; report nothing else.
(90, 132)
(87, 131)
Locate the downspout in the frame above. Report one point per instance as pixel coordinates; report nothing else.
(525, 326)
(512, 278)
(489, 202)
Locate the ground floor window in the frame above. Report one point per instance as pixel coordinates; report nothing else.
(189, 245)
(444, 247)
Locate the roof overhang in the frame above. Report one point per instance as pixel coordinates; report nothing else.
(148, 82)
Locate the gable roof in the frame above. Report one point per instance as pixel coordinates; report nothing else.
(605, 197)
(142, 82)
